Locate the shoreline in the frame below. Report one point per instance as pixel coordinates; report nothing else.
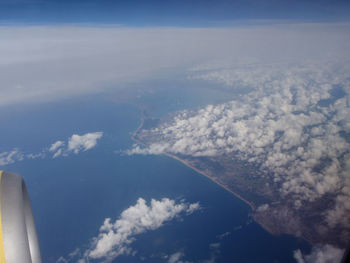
(250, 204)
(268, 228)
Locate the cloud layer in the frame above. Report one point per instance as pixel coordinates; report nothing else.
(46, 63)
(114, 238)
(293, 122)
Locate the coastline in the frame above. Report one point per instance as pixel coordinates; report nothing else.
(257, 217)
(250, 204)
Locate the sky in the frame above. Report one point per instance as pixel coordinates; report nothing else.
(56, 49)
(170, 13)
(50, 62)
(50, 46)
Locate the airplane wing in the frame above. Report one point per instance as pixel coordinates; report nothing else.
(18, 238)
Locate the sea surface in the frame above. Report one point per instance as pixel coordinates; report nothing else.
(71, 196)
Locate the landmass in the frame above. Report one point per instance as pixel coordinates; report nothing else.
(275, 213)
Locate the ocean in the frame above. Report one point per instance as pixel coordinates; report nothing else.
(71, 196)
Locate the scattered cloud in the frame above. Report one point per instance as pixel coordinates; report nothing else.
(10, 157)
(70, 257)
(84, 142)
(55, 146)
(262, 208)
(115, 238)
(223, 235)
(320, 254)
(154, 149)
(177, 258)
(35, 155)
(76, 143)
(214, 253)
(193, 207)
(57, 153)
(292, 121)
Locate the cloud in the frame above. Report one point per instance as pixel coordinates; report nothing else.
(35, 155)
(214, 252)
(114, 238)
(153, 149)
(85, 142)
(262, 208)
(55, 146)
(292, 122)
(70, 257)
(320, 254)
(76, 143)
(193, 207)
(45, 63)
(57, 153)
(10, 157)
(177, 258)
(223, 235)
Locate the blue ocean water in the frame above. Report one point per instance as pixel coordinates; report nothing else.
(71, 196)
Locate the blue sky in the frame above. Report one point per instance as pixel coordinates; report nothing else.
(169, 13)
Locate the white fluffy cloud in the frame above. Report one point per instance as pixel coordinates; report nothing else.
(114, 238)
(320, 254)
(55, 146)
(293, 122)
(76, 143)
(154, 148)
(85, 142)
(43, 63)
(262, 208)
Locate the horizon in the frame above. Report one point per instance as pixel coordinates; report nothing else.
(170, 13)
